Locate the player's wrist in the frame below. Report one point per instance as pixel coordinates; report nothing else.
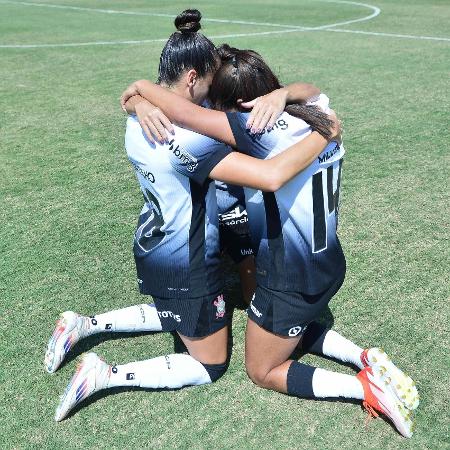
(285, 94)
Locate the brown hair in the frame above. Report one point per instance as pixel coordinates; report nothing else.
(244, 75)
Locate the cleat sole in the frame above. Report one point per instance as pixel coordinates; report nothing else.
(397, 381)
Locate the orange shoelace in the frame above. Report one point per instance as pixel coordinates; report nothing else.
(372, 414)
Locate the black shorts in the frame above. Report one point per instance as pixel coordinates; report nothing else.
(196, 317)
(235, 241)
(289, 313)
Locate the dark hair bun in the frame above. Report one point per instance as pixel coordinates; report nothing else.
(226, 52)
(188, 21)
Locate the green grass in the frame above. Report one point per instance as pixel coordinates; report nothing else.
(70, 203)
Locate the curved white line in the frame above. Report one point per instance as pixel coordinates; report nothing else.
(289, 28)
(375, 13)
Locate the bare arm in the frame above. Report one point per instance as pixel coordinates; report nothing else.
(130, 105)
(269, 174)
(183, 112)
(152, 120)
(267, 108)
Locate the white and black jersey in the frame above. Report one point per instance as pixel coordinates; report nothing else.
(294, 229)
(233, 221)
(176, 243)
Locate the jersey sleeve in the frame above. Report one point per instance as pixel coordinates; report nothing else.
(197, 156)
(244, 141)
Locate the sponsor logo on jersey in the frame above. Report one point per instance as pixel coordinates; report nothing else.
(219, 303)
(246, 251)
(167, 314)
(145, 173)
(294, 331)
(234, 214)
(329, 154)
(280, 124)
(130, 376)
(185, 157)
(256, 312)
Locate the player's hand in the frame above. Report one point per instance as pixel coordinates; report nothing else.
(129, 92)
(266, 110)
(335, 128)
(153, 121)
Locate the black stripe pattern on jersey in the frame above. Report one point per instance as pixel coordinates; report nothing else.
(274, 231)
(238, 132)
(320, 230)
(197, 264)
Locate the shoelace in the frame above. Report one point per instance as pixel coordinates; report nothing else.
(372, 414)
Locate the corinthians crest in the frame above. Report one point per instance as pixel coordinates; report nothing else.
(219, 303)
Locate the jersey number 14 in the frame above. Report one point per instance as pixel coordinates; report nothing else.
(320, 213)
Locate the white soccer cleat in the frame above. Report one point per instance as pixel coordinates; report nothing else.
(401, 384)
(92, 375)
(68, 331)
(379, 397)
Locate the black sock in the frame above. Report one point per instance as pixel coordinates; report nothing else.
(299, 380)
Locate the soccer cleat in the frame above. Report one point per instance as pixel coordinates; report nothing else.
(379, 397)
(68, 331)
(401, 384)
(92, 375)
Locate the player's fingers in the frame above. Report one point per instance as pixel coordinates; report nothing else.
(265, 120)
(148, 133)
(272, 120)
(161, 130)
(261, 119)
(154, 131)
(122, 103)
(249, 104)
(167, 124)
(255, 117)
(253, 114)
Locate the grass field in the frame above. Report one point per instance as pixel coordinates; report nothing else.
(70, 203)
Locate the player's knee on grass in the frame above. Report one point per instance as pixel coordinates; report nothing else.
(215, 371)
(257, 374)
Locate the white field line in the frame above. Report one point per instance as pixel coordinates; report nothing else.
(146, 41)
(288, 28)
(376, 12)
(375, 33)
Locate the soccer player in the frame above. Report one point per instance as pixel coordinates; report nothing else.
(176, 244)
(300, 262)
